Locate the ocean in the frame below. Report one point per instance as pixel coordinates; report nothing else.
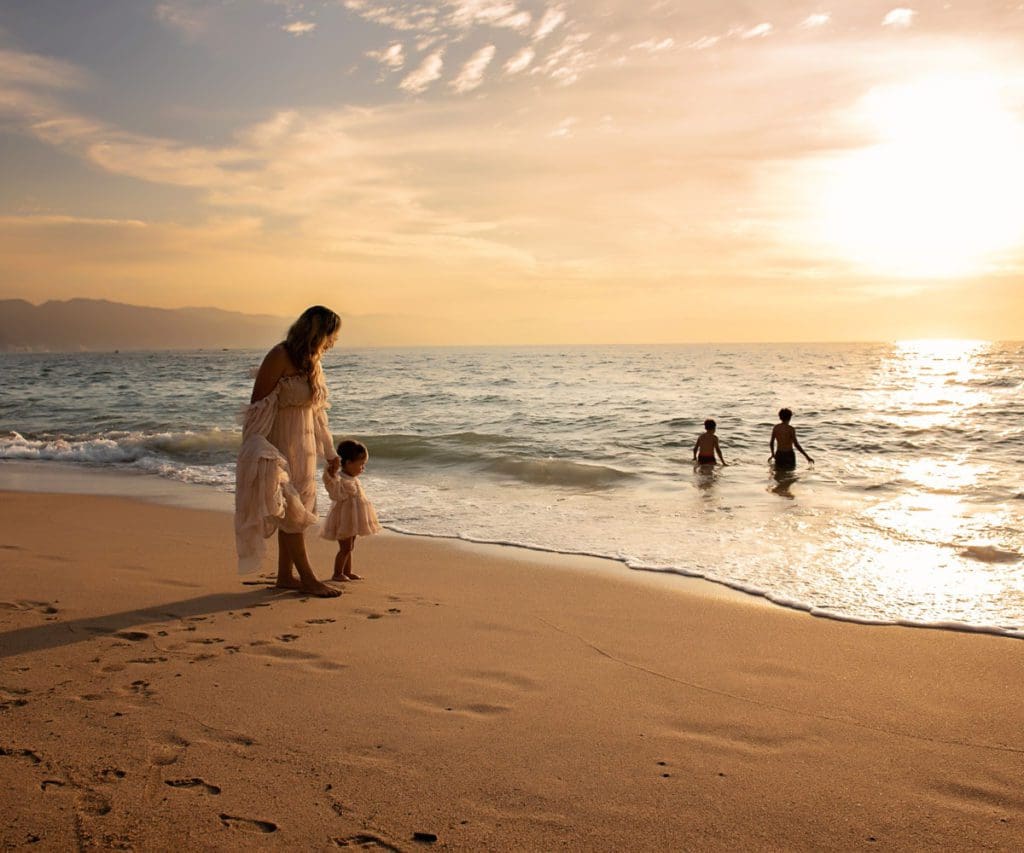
(912, 514)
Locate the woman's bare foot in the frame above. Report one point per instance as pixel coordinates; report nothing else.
(288, 583)
(352, 576)
(321, 590)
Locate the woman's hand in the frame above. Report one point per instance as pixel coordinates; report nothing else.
(333, 466)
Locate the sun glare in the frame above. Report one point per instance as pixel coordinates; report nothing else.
(941, 191)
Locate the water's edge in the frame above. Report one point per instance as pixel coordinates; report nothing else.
(68, 478)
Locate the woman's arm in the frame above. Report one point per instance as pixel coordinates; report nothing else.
(275, 365)
(325, 441)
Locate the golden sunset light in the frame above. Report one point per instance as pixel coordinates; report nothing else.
(941, 194)
(586, 173)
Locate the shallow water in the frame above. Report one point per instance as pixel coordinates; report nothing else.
(912, 513)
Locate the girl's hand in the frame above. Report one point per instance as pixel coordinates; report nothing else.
(333, 465)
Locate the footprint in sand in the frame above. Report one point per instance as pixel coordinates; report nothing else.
(247, 824)
(93, 803)
(325, 620)
(13, 697)
(141, 688)
(21, 753)
(367, 842)
(193, 783)
(25, 605)
(134, 636)
(287, 638)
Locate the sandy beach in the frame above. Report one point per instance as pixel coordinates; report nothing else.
(468, 698)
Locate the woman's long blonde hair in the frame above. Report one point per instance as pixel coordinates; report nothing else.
(305, 342)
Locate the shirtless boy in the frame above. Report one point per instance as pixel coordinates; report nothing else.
(783, 441)
(706, 446)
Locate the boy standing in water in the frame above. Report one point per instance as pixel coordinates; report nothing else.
(784, 436)
(706, 446)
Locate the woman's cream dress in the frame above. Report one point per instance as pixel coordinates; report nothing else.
(275, 480)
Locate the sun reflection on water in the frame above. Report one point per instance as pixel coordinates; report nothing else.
(914, 541)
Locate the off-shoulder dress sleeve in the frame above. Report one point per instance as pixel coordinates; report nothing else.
(264, 494)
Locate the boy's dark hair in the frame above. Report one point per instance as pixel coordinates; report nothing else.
(710, 425)
(350, 450)
(785, 415)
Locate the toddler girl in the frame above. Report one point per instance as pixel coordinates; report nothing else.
(351, 513)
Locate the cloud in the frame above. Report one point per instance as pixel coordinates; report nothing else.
(299, 28)
(446, 16)
(393, 56)
(495, 13)
(429, 71)
(31, 70)
(704, 42)
(472, 73)
(565, 64)
(564, 128)
(813, 21)
(900, 17)
(552, 19)
(520, 62)
(424, 17)
(759, 31)
(655, 45)
(188, 17)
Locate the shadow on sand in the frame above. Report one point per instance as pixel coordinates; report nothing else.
(64, 633)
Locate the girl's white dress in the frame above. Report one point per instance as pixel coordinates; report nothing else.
(351, 513)
(275, 479)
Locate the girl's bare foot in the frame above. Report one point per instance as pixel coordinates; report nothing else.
(339, 578)
(352, 576)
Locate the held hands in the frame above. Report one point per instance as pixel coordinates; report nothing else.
(333, 466)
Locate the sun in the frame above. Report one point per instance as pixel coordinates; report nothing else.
(939, 191)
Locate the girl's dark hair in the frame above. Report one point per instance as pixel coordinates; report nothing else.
(350, 450)
(709, 424)
(785, 415)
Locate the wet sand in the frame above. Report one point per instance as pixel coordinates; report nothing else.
(468, 698)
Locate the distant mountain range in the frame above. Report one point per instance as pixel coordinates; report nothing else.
(96, 324)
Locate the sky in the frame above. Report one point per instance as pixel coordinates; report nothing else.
(524, 171)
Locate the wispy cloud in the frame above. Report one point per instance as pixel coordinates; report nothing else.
(392, 57)
(408, 17)
(429, 71)
(655, 45)
(188, 17)
(705, 42)
(299, 28)
(564, 128)
(567, 62)
(758, 31)
(472, 73)
(520, 61)
(30, 69)
(30, 86)
(495, 13)
(900, 18)
(553, 18)
(817, 20)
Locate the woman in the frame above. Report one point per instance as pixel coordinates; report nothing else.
(285, 429)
